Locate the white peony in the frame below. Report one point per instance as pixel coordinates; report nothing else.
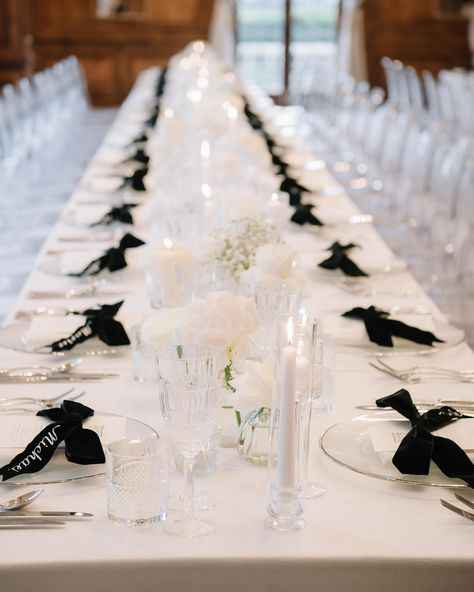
(254, 386)
(223, 320)
(158, 329)
(274, 261)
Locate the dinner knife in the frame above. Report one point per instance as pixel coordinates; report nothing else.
(27, 521)
(462, 407)
(43, 514)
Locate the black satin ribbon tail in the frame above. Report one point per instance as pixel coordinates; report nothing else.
(420, 446)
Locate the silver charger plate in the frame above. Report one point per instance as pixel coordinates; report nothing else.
(349, 444)
(59, 470)
(13, 337)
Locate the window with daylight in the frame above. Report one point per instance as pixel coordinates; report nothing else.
(279, 41)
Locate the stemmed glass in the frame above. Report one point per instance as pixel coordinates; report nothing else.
(177, 361)
(189, 407)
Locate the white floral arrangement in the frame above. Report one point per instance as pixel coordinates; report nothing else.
(235, 248)
(275, 261)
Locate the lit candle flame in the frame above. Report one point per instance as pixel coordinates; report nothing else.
(275, 197)
(168, 113)
(232, 113)
(168, 243)
(206, 191)
(290, 330)
(199, 46)
(194, 95)
(205, 150)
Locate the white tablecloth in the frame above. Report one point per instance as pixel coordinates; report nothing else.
(364, 534)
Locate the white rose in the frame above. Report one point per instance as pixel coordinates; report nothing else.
(159, 328)
(254, 386)
(222, 319)
(276, 260)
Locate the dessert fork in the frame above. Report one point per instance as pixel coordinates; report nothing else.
(41, 402)
(457, 510)
(420, 374)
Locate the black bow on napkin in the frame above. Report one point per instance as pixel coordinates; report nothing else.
(140, 156)
(100, 322)
(381, 329)
(339, 260)
(303, 215)
(82, 446)
(419, 447)
(135, 180)
(140, 138)
(113, 259)
(294, 189)
(119, 214)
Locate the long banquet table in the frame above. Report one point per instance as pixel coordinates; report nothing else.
(364, 534)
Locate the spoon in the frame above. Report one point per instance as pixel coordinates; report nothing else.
(22, 500)
(30, 371)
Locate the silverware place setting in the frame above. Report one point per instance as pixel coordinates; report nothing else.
(91, 289)
(457, 510)
(10, 517)
(63, 372)
(10, 404)
(415, 374)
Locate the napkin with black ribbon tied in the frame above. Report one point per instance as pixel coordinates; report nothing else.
(81, 446)
(419, 447)
(100, 322)
(381, 329)
(140, 156)
(339, 260)
(118, 214)
(113, 259)
(294, 189)
(303, 215)
(135, 180)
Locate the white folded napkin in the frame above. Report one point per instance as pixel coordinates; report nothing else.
(44, 330)
(87, 215)
(76, 261)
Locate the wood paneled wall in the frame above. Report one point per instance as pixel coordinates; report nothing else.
(14, 40)
(112, 50)
(416, 33)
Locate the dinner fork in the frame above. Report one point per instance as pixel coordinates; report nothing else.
(457, 510)
(417, 375)
(42, 402)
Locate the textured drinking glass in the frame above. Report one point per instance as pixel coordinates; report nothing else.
(137, 481)
(143, 357)
(175, 361)
(189, 407)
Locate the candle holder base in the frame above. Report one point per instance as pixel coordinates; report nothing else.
(285, 525)
(285, 512)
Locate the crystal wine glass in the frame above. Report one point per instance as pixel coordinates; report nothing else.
(189, 407)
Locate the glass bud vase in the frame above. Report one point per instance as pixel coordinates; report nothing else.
(254, 437)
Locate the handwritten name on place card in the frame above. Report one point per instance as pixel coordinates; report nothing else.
(16, 431)
(387, 435)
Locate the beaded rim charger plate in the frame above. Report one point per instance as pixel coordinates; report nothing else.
(349, 444)
(59, 470)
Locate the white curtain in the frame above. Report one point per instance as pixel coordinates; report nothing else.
(352, 55)
(222, 31)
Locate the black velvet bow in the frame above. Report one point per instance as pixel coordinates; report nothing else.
(113, 259)
(100, 322)
(294, 189)
(140, 156)
(279, 164)
(339, 260)
(160, 87)
(151, 121)
(82, 446)
(303, 215)
(381, 329)
(140, 138)
(419, 447)
(135, 180)
(118, 214)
